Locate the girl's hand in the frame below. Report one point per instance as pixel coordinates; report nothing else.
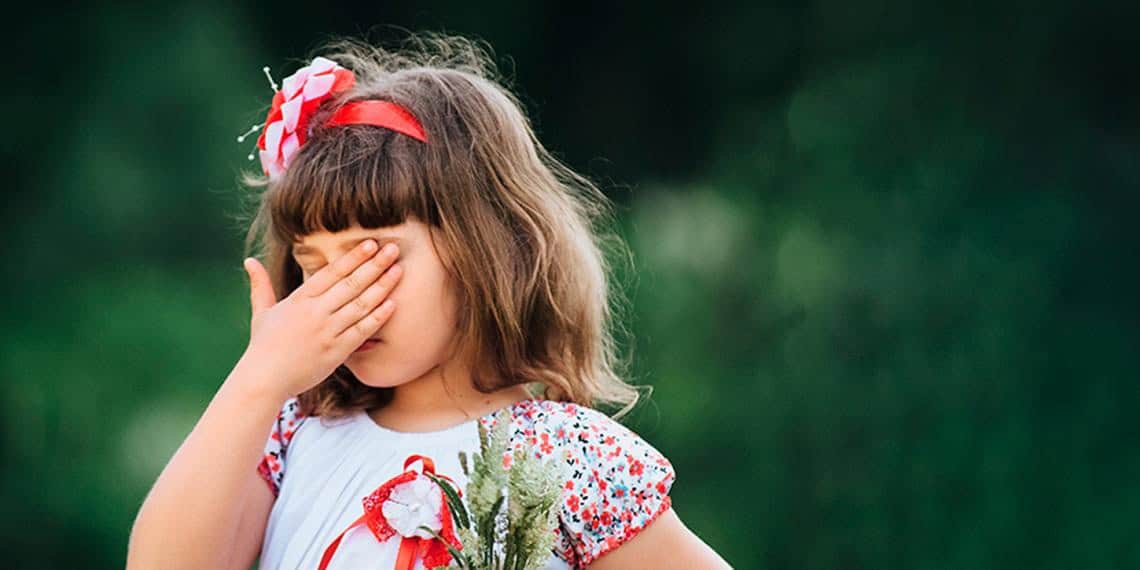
(300, 341)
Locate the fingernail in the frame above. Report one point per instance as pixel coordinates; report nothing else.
(370, 246)
(389, 249)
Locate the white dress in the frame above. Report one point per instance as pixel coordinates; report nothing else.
(616, 482)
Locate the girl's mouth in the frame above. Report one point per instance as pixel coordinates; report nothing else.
(367, 345)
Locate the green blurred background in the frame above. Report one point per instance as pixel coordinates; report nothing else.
(886, 251)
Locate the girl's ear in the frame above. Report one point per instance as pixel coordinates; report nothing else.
(261, 295)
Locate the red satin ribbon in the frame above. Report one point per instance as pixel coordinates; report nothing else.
(412, 548)
(380, 113)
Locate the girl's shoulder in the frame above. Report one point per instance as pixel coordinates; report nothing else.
(577, 432)
(616, 482)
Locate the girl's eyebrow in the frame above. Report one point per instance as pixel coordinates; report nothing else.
(301, 249)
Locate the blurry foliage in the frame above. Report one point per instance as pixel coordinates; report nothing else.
(886, 260)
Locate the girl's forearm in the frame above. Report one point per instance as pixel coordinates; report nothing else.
(189, 518)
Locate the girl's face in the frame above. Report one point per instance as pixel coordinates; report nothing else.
(418, 335)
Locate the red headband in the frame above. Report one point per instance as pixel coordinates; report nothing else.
(380, 113)
(286, 126)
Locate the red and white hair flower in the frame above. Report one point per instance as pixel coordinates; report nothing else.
(287, 125)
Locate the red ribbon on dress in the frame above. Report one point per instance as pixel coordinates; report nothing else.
(431, 550)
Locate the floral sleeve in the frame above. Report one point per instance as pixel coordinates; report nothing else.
(618, 484)
(272, 466)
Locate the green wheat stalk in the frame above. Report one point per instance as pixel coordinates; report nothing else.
(529, 492)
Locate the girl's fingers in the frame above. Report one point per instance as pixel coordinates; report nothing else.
(367, 326)
(261, 295)
(348, 290)
(365, 303)
(334, 272)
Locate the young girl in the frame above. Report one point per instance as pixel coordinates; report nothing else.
(427, 263)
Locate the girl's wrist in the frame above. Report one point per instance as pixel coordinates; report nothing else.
(253, 379)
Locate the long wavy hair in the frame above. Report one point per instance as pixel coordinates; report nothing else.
(547, 314)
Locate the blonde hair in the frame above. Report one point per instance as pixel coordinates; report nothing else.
(546, 312)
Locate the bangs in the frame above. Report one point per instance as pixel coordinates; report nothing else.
(358, 174)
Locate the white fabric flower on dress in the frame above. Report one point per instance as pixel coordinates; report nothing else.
(413, 504)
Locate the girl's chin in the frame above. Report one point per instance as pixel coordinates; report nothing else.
(375, 379)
